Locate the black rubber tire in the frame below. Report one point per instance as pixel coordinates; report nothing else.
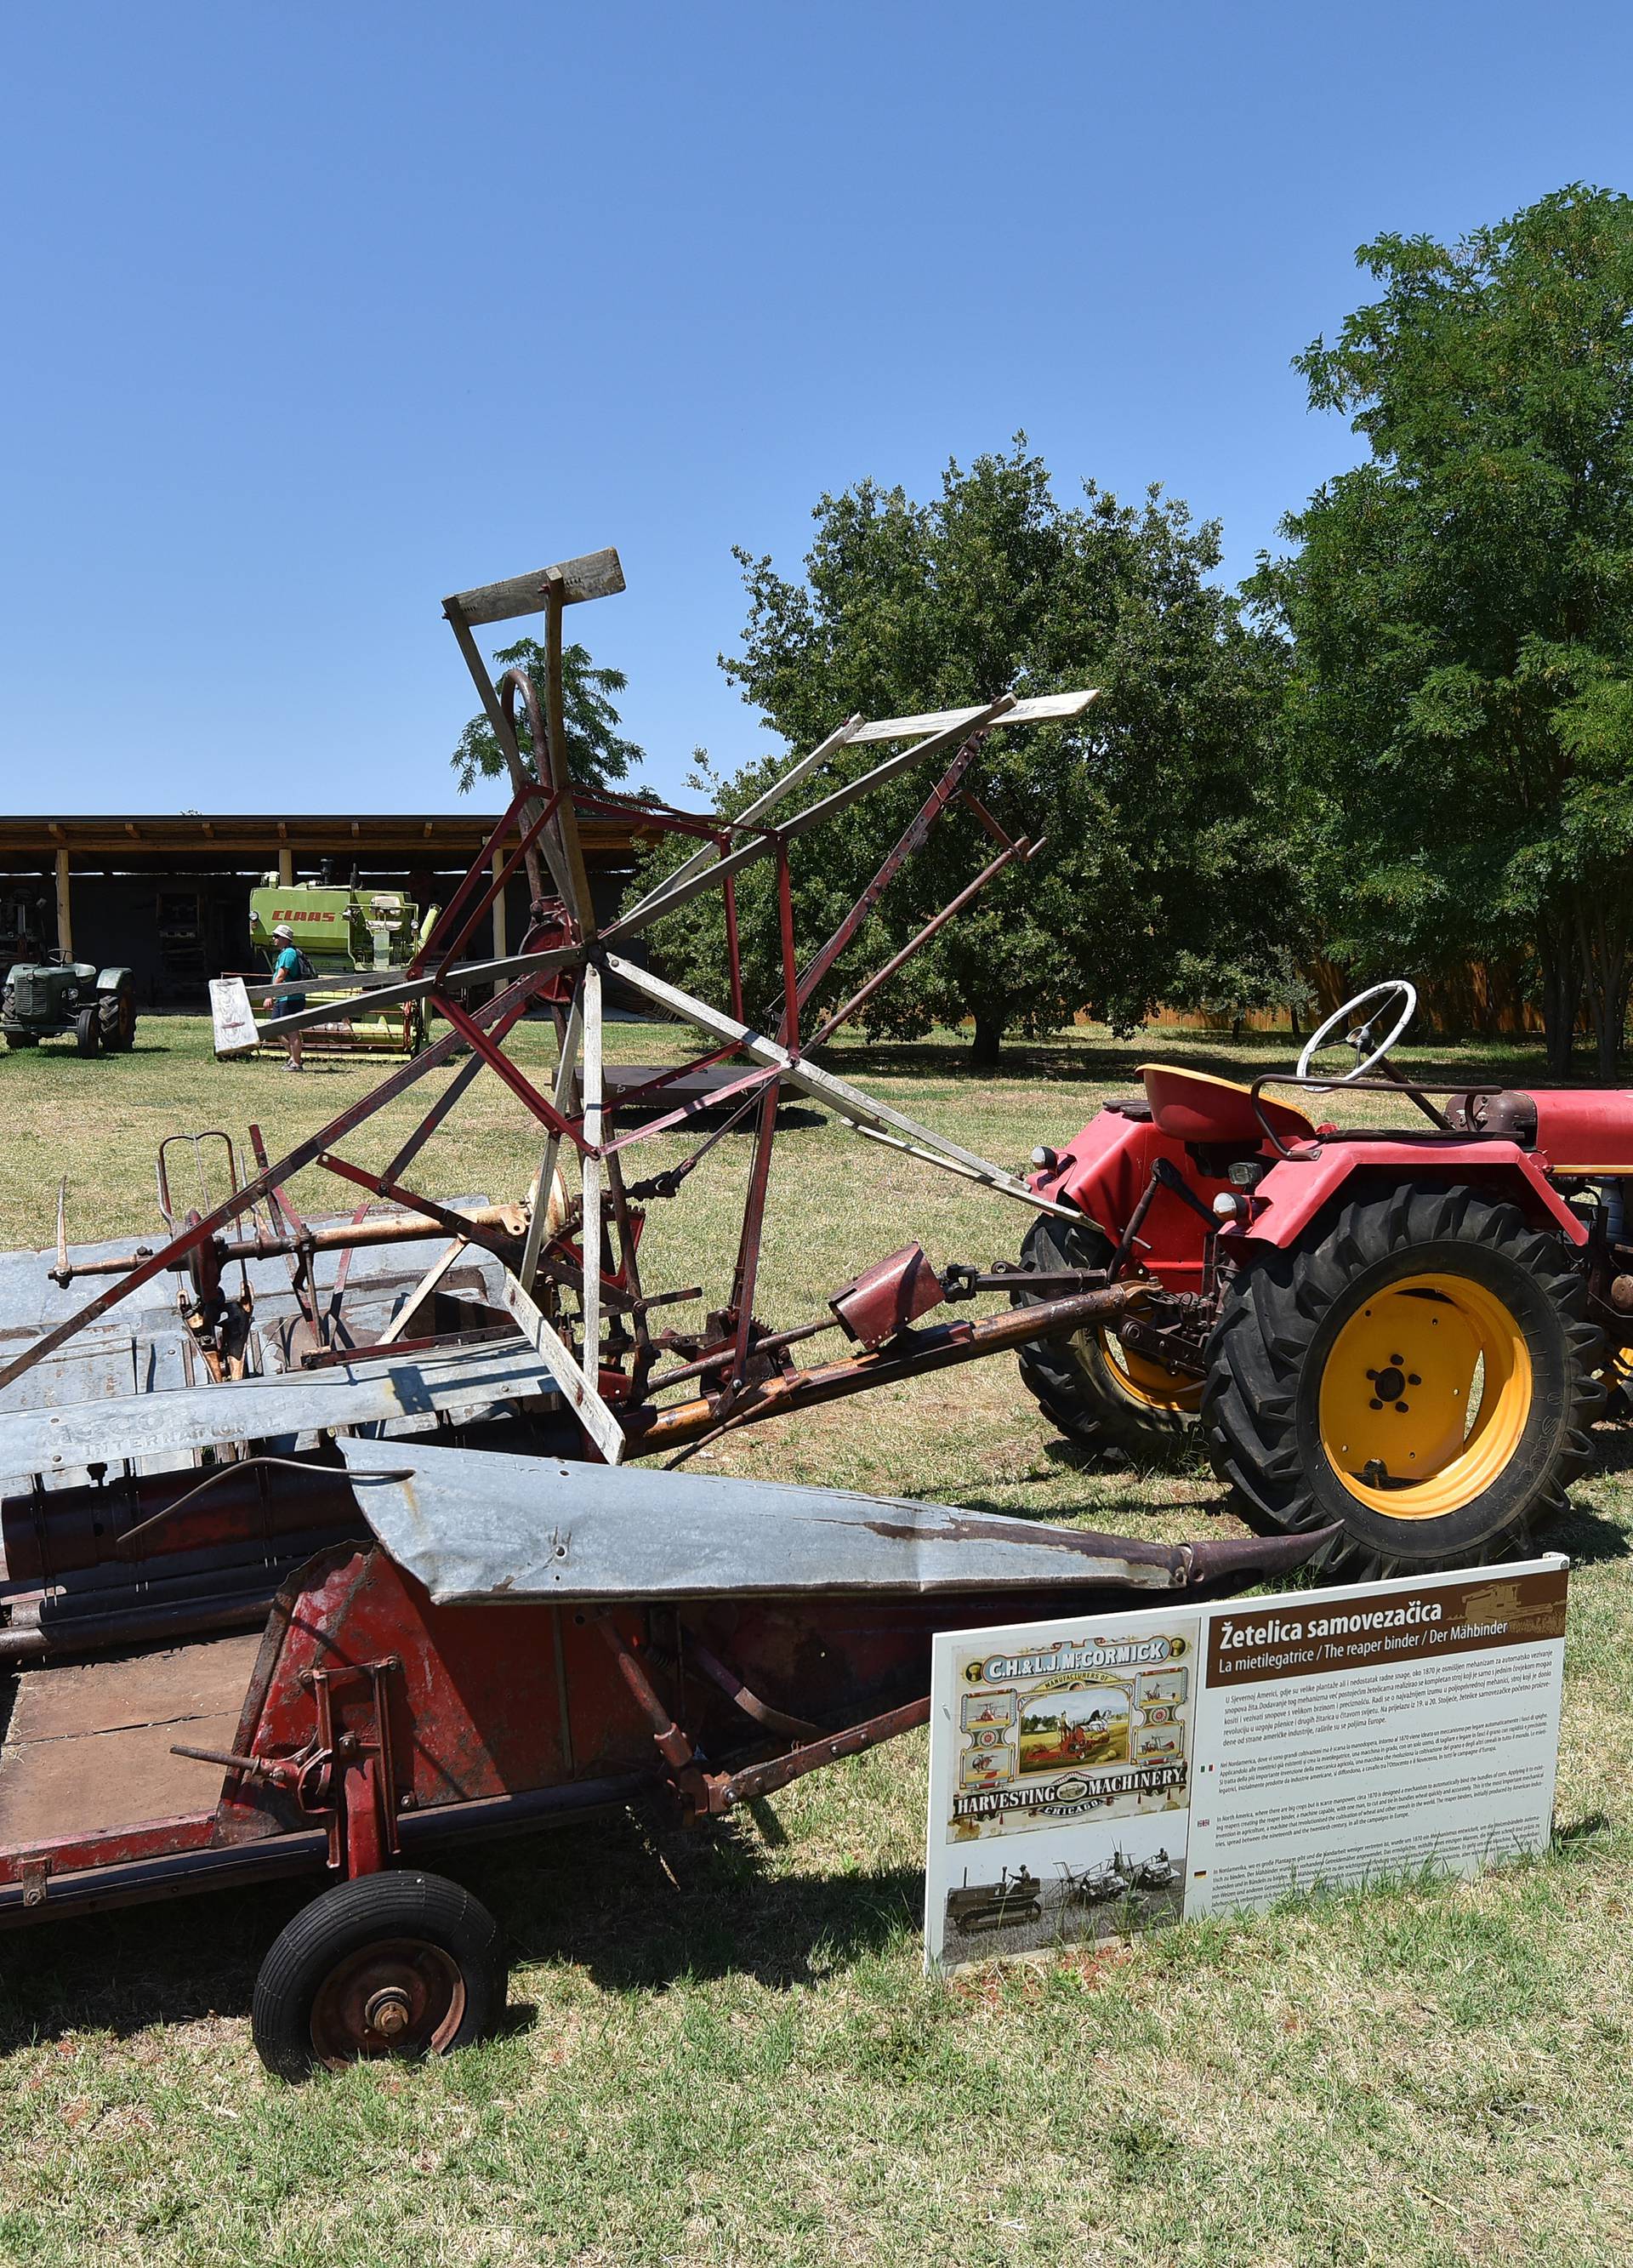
(116, 1021)
(15, 1036)
(1261, 1422)
(87, 1032)
(345, 1921)
(1074, 1381)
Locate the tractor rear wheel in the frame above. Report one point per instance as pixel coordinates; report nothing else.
(1420, 1369)
(1098, 1393)
(116, 1020)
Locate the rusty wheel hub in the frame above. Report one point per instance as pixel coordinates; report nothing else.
(405, 1997)
(388, 2012)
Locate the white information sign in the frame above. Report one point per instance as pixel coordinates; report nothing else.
(1118, 1771)
(231, 1016)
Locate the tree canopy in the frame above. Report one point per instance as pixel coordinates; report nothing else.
(1163, 874)
(598, 755)
(1461, 609)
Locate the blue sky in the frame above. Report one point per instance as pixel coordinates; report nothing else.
(314, 313)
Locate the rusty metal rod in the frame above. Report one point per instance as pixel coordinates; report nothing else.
(728, 1790)
(768, 1343)
(336, 1236)
(911, 840)
(774, 1720)
(906, 1356)
(882, 977)
(673, 1744)
(114, 1628)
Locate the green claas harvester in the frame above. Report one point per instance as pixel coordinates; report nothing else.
(353, 935)
(42, 999)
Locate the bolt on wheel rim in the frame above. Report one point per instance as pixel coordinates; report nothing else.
(1425, 1396)
(402, 1996)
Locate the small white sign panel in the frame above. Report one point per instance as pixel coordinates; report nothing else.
(231, 1016)
(1124, 1770)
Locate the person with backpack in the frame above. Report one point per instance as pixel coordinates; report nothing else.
(288, 969)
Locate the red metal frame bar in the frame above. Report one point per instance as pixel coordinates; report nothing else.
(630, 1096)
(972, 802)
(628, 1277)
(734, 950)
(666, 1183)
(662, 817)
(467, 1028)
(467, 1072)
(745, 1274)
(303, 1280)
(338, 1290)
(751, 1080)
(457, 1224)
(882, 977)
(747, 1269)
(515, 683)
(530, 835)
(478, 866)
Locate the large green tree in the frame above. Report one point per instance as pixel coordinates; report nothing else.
(1162, 876)
(1461, 604)
(598, 755)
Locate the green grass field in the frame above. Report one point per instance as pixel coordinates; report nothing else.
(721, 2050)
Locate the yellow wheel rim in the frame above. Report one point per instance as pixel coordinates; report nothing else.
(1617, 1368)
(1424, 1396)
(1146, 1382)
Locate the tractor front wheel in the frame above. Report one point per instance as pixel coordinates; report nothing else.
(1419, 1369)
(1097, 1391)
(87, 1032)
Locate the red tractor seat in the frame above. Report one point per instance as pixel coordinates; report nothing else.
(1192, 1106)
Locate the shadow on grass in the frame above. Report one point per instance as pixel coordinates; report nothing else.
(641, 1906)
(1180, 1460)
(636, 1905)
(1585, 1535)
(1613, 1447)
(1101, 1061)
(178, 1960)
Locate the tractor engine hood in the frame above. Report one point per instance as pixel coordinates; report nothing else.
(474, 1525)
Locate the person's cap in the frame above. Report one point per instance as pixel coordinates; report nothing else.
(283, 928)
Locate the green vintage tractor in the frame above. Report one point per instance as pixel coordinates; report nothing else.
(44, 997)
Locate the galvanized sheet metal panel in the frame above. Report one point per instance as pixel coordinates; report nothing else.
(270, 1409)
(120, 1391)
(473, 1525)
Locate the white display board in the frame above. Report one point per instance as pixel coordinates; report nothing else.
(231, 1016)
(1113, 1772)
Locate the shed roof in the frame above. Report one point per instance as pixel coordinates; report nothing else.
(456, 836)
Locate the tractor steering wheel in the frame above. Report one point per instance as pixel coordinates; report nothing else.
(1360, 1038)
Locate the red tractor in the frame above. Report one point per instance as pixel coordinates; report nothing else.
(1407, 1330)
